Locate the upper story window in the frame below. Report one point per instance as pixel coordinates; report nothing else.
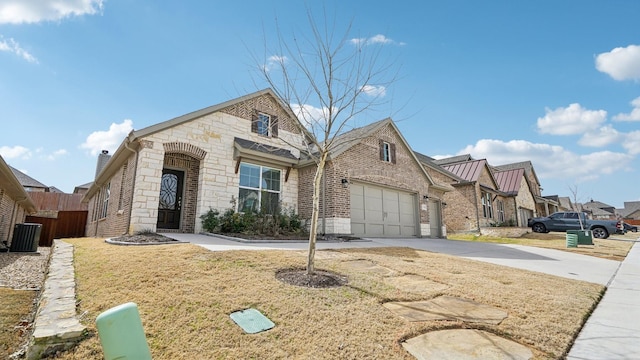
(387, 152)
(264, 124)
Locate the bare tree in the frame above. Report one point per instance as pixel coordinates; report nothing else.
(327, 80)
(574, 192)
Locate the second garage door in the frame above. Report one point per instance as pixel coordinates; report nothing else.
(382, 212)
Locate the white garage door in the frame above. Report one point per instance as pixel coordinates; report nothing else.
(382, 212)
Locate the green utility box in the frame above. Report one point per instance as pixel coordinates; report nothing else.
(121, 333)
(572, 240)
(585, 237)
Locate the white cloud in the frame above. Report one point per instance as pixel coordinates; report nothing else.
(374, 91)
(309, 115)
(376, 39)
(573, 119)
(108, 140)
(621, 63)
(12, 46)
(15, 152)
(34, 11)
(275, 61)
(602, 137)
(632, 142)
(634, 115)
(56, 154)
(550, 161)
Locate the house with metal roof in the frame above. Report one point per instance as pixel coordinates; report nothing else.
(477, 200)
(544, 206)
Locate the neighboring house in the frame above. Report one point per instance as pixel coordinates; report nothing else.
(82, 189)
(15, 203)
(231, 155)
(631, 210)
(544, 206)
(477, 201)
(521, 201)
(30, 184)
(374, 186)
(599, 210)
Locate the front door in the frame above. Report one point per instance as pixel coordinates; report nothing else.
(170, 199)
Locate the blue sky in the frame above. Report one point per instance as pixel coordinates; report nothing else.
(554, 82)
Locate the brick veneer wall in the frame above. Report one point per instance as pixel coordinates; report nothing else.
(118, 210)
(460, 213)
(361, 163)
(11, 213)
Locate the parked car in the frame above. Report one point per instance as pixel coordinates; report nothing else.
(629, 227)
(563, 221)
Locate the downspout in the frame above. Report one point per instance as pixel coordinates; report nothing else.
(133, 186)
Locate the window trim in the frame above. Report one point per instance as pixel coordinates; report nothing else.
(260, 188)
(487, 206)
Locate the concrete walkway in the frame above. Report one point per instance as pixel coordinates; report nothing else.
(613, 330)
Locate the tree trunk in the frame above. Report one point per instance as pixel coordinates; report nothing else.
(313, 230)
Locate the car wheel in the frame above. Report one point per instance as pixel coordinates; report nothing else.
(539, 228)
(600, 233)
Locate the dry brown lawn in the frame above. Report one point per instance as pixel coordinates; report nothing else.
(15, 309)
(615, 247)
(186, 293)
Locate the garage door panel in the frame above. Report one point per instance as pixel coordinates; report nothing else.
(378, 211)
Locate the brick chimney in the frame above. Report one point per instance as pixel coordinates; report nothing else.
(103, 159)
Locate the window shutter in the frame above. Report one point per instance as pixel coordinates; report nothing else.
(393, 153)
(254, 121)
(381, 145)
(274, 126)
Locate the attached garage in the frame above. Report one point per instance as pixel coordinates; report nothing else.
(382, 212)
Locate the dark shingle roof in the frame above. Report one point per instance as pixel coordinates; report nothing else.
(26, 180)
(263, 148)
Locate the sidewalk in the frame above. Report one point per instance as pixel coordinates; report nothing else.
(613, 330)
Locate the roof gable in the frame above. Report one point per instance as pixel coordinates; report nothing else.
(351, 138)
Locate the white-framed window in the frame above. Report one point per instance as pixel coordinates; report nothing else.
(500, 210)
(264, 124)
(259, 188)
(105, 201)
(487, 207)
(386, 152)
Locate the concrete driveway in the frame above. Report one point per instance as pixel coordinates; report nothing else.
(548, 261)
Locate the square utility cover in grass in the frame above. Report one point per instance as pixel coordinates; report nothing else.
(251, 321)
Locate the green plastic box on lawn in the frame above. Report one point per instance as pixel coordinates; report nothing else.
(585, 237)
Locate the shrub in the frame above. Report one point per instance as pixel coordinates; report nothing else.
(261, 223)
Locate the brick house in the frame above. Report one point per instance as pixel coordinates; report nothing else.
(375, 186)
(520, 199)
(544, 206)
(15, 203)
(165, 176)
(477, 200)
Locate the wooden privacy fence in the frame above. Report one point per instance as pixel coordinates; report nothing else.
(69, 224)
